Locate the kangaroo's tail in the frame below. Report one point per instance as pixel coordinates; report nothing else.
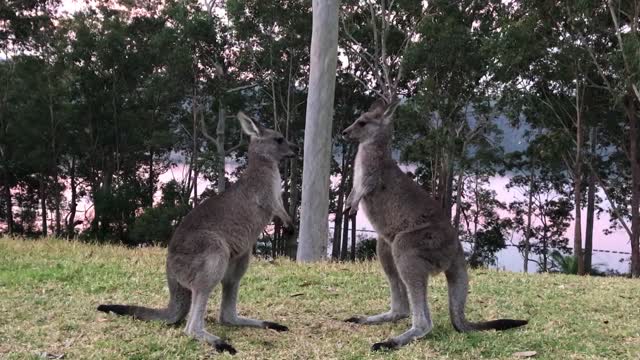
(179, 303)
(458, 284)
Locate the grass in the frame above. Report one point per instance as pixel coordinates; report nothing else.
(49, 290)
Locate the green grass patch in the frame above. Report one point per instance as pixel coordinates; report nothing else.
(49, 290)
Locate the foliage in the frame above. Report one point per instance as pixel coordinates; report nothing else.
(156, 225)
(567, 264)
(366, 248)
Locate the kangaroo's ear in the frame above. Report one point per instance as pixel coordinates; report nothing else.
(249, 126)
(390, 110)
(378, 105)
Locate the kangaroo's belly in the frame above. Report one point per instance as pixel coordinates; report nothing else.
(383, 215)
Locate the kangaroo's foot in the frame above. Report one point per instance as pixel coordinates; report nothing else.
(398, 341)
(217, 343)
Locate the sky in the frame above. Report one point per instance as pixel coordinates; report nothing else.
(72, 6)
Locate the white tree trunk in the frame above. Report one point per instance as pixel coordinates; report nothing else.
(312, 242)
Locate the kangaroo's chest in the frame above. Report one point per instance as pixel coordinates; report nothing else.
(365, 176)
(269, 194)
(358, 171)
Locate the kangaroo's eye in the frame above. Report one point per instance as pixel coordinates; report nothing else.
(279, 140)
(362, 123)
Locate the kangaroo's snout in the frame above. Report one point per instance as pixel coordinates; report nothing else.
(345, 133)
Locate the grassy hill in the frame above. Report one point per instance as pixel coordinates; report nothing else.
(49, 291)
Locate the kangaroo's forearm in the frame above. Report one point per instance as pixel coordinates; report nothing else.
(282, 214)
(357, 193)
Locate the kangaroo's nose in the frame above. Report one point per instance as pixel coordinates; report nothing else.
(344, 132)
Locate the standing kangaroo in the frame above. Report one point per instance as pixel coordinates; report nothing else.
(415, 239)
(213, 242)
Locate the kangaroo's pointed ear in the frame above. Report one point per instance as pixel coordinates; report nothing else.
(249, 126)
(390, 110)
(377, 106)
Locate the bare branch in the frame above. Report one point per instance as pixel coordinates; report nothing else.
(235, 147)
(240, 88)
(205, 132)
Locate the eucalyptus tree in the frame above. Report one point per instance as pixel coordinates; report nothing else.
(541, 218)
(450, 112)
(566, 81)
(317, 140)
(21, 23)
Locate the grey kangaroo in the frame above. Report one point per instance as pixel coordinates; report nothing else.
(415, 239)
(213, 242)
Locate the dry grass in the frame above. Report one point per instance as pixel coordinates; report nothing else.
(49, 291)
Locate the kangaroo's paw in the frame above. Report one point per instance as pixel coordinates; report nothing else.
(222, 346)
(385, 345)
(355, 319)
(275, 326)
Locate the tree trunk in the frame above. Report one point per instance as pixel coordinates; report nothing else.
(73, 201)
(7, 199)
(591, 195)
(43, 206)
(631, 110)
(344, 251)
(527, 235)
(317, 138)
(105, 190)
(152, 181)
(353, 238)
(194, 162)
(294, 202)
(456, 218)
(220, 147)
(448, 196)
(545, 249)
(577, 188)
(337, 224)
(58, 217)
(53, 159)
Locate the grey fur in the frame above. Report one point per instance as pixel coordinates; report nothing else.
(415, 239)
(213, 242)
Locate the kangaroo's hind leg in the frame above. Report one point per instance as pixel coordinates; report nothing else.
(399, 300)
(230, 285)
(414, 269)
(207, 271)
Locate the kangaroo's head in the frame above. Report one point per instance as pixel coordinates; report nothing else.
(264, 142)
(373, 123)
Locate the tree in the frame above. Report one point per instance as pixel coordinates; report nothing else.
(317, 140)
(542, 220)
(481, 225)
(569, 264)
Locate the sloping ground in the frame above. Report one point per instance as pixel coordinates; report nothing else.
(49, 291)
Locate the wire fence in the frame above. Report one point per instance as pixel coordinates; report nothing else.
(508, 245)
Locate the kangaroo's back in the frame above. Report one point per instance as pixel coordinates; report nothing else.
(235, 217)
(397, 203)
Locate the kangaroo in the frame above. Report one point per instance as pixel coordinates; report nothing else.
(415, 239)
(213, 242)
